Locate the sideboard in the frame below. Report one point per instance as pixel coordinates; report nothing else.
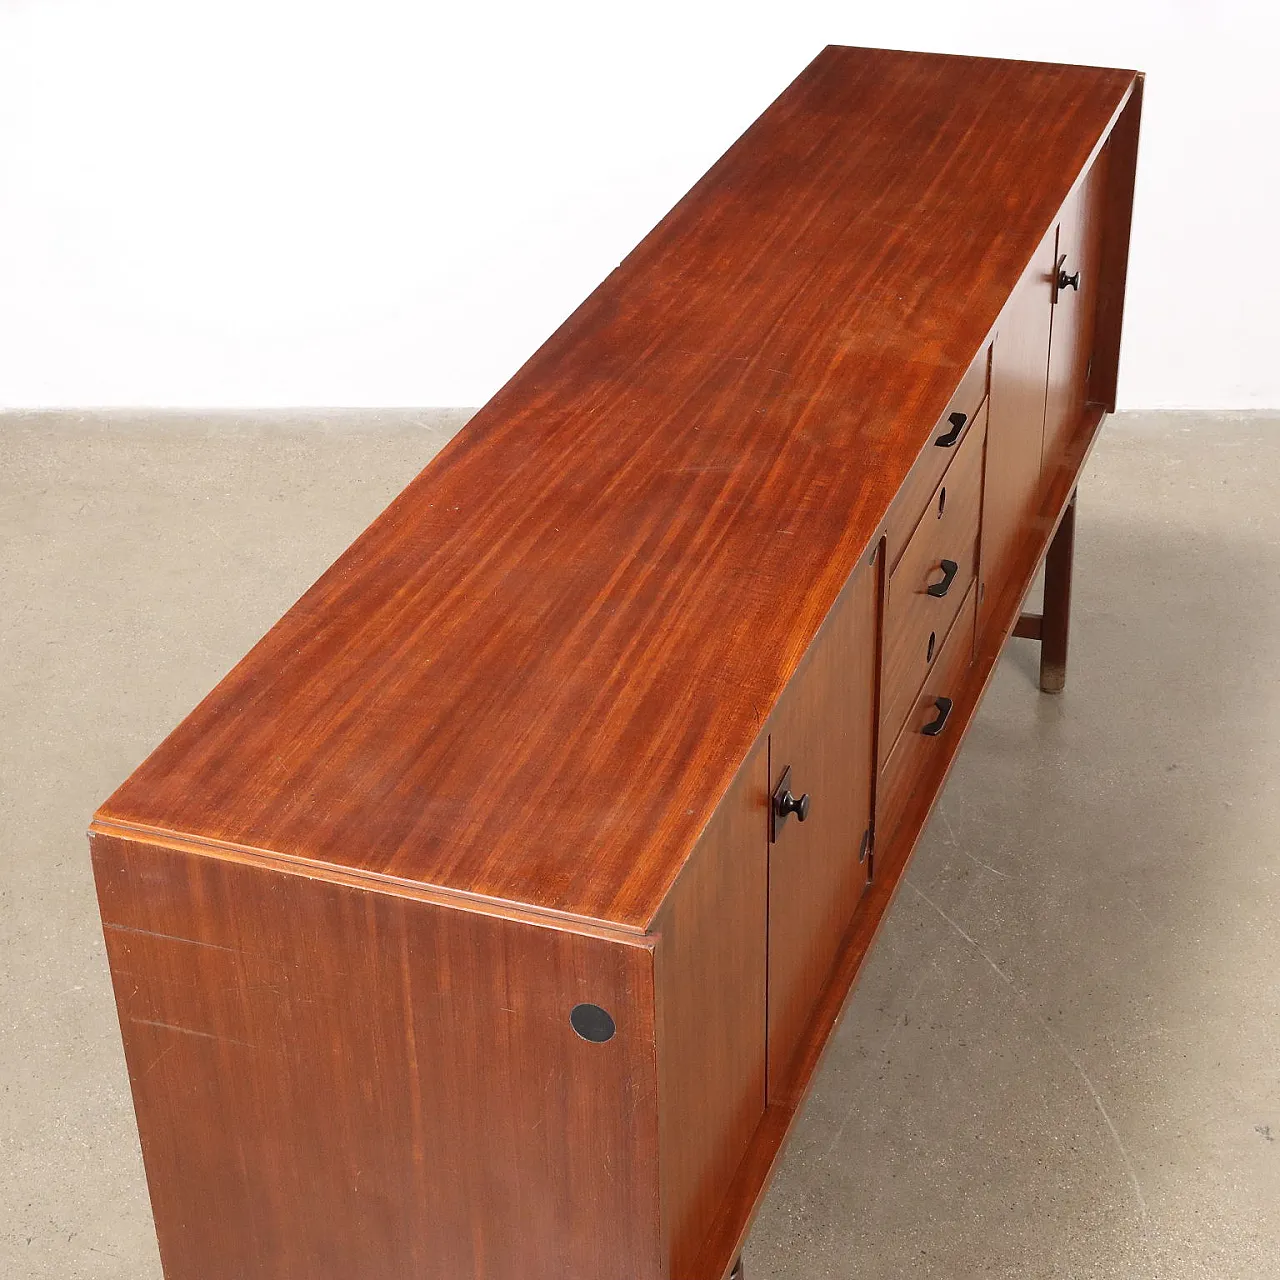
(490, 917)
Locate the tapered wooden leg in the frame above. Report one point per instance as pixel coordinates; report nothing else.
(1056, 619)
(737, 1273)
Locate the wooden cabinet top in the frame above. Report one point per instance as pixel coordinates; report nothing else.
(536, 673)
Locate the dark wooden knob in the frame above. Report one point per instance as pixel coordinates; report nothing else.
(787, 803)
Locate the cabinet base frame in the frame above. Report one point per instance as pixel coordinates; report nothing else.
(1051, 627)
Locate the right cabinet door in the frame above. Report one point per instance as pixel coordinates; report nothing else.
(1075, 305)
(1015, 425)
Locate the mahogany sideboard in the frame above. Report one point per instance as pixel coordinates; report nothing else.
(490, 917)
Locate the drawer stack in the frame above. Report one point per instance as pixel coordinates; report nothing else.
(933, 540)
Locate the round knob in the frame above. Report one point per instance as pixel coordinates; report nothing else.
(1068, 282)
(787, 803)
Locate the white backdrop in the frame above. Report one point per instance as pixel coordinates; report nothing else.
(392, 202)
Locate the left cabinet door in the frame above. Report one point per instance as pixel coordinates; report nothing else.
(821, 753)
(710, 965)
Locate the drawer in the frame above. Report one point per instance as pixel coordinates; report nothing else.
(914, 762)
(923, 478)
(942, 556)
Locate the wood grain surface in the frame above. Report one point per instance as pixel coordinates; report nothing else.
(331, 1082)
(1015, 425)
(1071, 342)
(1122, 161)
(711, 969)
(909, 759)
(824, 731)
(536, 674)
(922, 480)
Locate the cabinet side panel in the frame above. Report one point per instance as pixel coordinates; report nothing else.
(333, 1082)
(1122, 163)
(711, 973)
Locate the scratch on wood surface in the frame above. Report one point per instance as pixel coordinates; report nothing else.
(171, 937)
(158, 1059)
(188, 1031)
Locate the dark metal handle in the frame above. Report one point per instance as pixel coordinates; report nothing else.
(935, 727)
(1068, 282)
(940, 589)
(787, 803)
(784, 804)
(957, 421)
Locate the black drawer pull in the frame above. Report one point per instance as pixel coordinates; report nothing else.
(940, 589)
(935, 727)
(957, 421)
(1068, 282)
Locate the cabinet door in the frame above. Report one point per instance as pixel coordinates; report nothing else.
(711, 1012)
(1075, 305)
(1015, 423)
(822, 741)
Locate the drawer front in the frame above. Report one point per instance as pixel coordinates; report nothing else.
(924, 738)
(923, 478)
(942, 556)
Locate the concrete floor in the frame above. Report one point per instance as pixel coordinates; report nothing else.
(1063, 1059)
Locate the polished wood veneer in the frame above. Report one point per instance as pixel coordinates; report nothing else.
(490, 917)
